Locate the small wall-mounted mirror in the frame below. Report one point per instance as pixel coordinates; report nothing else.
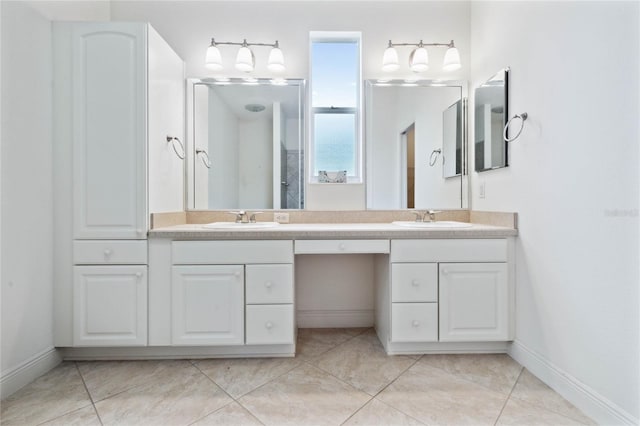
(245, 144)
(416, 144)
(491, 112)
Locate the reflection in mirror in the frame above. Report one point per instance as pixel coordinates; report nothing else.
(405, 124)
(491, 112)
(252, 134)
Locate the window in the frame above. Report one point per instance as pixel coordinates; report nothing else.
(335, 104)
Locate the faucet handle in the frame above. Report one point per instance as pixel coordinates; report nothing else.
(240, 214)
(432, 215)
(252, 216)
(419, 216)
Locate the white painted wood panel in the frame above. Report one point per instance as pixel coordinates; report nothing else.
(474, 302)
(414, 282)
(109, 130)
(207, 306)
(414, 322)
(341, 246)
(110, 306)
(268, 284)
(270, 324)
(449, 250)
(115, 252)
(232, 252)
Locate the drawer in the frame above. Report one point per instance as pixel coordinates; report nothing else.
(414, 322)
(269, 284)
(269, 324)
(231, 252)
(341, 246)
(115, 252)
(450, 250)
(414, 282)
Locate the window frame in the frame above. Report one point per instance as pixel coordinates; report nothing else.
(336, 36)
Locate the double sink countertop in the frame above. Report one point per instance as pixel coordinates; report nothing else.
(335, 230)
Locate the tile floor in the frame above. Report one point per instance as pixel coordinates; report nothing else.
(339, 377)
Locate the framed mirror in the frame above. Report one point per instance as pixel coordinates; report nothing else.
(491, 110)
(415, 136)
(245, 144)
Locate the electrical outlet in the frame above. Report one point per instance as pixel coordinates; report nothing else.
(281, 217)
(482, 191)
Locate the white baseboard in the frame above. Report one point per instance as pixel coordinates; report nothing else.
(594, 405)
(28, 371)
(335, 319)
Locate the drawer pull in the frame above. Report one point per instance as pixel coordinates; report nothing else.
(236, 274)
(268, 325)
(415, 323)
(268, 284)
(415, 283)
(445, 271)
(341, 246)
(139, 274)
(107, 253)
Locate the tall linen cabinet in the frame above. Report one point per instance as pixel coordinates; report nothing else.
(118, 94)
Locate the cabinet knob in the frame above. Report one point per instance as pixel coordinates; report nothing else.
(341, 246)
(268, 284)
(415, 283)
(139, 274)
(107, 252)
(445, 271)
(268, 325)
(236, 274)
(415, 323)
(139, 231)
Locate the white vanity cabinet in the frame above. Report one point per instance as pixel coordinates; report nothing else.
(118, 92)
(232, 293)
(445, 290)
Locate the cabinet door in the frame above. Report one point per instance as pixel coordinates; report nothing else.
(110, 306)
(109, 130)
(207, 305)
(474, 302)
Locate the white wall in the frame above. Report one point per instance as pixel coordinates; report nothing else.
(27, 265)
(189, 27)
(573, 179)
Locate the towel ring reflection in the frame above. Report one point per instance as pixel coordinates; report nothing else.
(173, 140)
(204, 156)
(522, 117)
(434, 156)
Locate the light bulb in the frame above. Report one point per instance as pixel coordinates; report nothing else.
(245, 59)
(451, 59)
(213, 60)
(419, 60)
(390, 60)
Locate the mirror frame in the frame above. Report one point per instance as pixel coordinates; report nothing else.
(190, 155)
(505, 118)
(465, 187)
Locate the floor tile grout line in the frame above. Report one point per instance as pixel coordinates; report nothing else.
(506, 401)
(88, 393)
(357, 411)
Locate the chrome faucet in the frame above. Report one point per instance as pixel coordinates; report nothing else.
(244, 216)
(422, 216)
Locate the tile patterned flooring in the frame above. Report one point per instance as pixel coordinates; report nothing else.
(339, 377)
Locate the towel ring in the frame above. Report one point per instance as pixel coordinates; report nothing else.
(173, 140)
(432, 159)
(204, 156)
(522, 117)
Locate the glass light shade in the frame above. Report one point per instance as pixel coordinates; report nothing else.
(451, 60)
(419, 60)
(245, 59)
(213, 60)
(390, 60)
(276, 60)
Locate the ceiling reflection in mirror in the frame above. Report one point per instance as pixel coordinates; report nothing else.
(246, 144)
(416, 145)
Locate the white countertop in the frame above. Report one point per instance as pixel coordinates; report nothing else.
(330, 231)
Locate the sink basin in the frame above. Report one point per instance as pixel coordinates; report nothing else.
(438, 224)
(234, 225)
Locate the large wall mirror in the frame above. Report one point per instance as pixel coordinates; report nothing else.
(245, 144)
(491, 112)
(416, 145)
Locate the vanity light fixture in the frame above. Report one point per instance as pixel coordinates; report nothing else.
(245, 59)
(419, 57)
